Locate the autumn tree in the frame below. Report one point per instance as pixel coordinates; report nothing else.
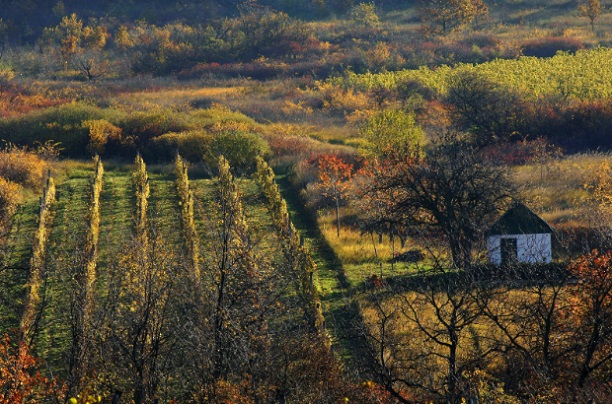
(83, 295)
(592, 10)
(448, 15)
(534, 325)
(140, 325)
(21, 380)
(79, 45)
(100, 132)
(140, 328)
(334, 182)
(6, 76)
(364, 14)
(237, 306)
(437, 318)
(594, 274)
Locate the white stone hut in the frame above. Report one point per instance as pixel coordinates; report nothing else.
(519, 236)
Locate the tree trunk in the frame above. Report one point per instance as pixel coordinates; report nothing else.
(590, 351)
(338, 217)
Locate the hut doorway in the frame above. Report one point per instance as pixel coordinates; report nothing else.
(509, 251)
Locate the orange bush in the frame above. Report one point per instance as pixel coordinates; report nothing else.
(21, 166)
(10, 197)
(20, 380)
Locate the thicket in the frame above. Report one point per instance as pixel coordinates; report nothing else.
(240, 146)
(63, 124)
(22, 376)
(82, 130)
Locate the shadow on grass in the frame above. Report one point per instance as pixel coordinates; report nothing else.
(306, 222)
(517, 276)
(342, 314)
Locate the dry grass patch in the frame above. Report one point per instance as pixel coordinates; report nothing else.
(561, 190)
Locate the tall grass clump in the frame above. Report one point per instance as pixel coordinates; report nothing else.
(294, 250)
(18, 168)
(37, 263)
(189, 229)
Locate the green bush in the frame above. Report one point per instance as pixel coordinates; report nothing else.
(392, 134)
(191, 145)
(142, 127)
(364, 14)
(63, 124)
(238, 147)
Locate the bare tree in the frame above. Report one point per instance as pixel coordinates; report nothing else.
(452, 189)
(141, 330)
(529, 324)
(490, 112)
(425, 337)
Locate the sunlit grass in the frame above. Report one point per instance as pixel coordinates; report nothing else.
(560, 190)
(354, 247)
(170, 97)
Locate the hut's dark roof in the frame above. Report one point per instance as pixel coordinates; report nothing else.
(519, 220)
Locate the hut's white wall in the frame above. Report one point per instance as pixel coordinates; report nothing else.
(531, 248)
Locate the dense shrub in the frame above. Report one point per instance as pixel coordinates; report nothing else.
(239, 148)
(191, 145)
(63, 124)
(548, 47)
(392, 134)
(579, 126)
(100, 133)
(174, 47)
(491, 112)
(141, 127)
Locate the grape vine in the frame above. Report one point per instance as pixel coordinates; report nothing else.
(294, 250)
(585, 75)
(140, 179)
(37, 262)
(189, 229)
